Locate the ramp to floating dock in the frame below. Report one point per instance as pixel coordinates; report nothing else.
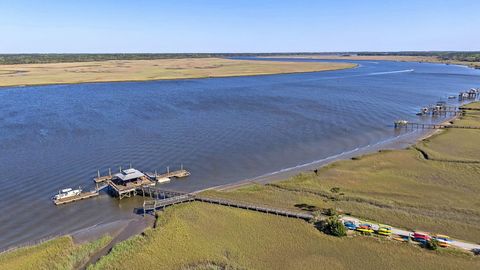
(153, 205)
(154, 192)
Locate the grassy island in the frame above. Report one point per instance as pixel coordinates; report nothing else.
(146, 70)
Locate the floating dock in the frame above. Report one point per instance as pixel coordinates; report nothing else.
(79, 197)
(182, 173)
(175, 174)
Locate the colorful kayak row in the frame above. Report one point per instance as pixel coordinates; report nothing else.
(386, 230)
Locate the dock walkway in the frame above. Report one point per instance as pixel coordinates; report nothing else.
(469, 109)
(153, 205)
(258, 208)
(400, 124)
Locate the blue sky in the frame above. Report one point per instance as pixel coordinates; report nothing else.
(237, 26)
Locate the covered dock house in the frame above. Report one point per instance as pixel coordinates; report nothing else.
(126, 183)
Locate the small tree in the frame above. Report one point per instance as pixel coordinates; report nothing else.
(333, 226)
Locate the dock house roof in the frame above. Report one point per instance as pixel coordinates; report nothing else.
(129, 174)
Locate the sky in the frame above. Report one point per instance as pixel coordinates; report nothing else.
(167, 26)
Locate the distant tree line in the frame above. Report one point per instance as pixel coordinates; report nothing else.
(443, 55)
(85, 57)
(74, 57)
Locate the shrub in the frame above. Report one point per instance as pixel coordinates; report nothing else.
(333, 226)
(335, 189)
(330, 212)
(432, 244)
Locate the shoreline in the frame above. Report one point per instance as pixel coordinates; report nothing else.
(396, 143)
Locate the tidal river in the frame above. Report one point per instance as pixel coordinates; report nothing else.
(223, 130)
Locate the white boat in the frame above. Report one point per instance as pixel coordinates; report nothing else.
(67, 193)
(163, 180)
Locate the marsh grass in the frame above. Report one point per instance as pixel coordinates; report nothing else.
(204, 236)
(143, 70)
(59, 253)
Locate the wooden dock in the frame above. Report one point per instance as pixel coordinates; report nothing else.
(81, 196)
(102, 179)
(469, 109)
(441, 112)
(129, 182)
(131, 188)
(257, 208)
(153, 205)
(440, 109)
(406, 125)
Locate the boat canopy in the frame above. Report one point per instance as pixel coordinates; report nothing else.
(129, 174)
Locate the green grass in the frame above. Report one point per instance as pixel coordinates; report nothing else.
(204, 236)
(59, 253)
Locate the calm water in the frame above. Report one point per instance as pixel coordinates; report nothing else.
(223, 130)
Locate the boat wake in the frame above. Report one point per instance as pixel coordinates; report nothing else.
(391, 72)
(359, 75)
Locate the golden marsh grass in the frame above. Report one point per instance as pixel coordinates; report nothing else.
(145, 70)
